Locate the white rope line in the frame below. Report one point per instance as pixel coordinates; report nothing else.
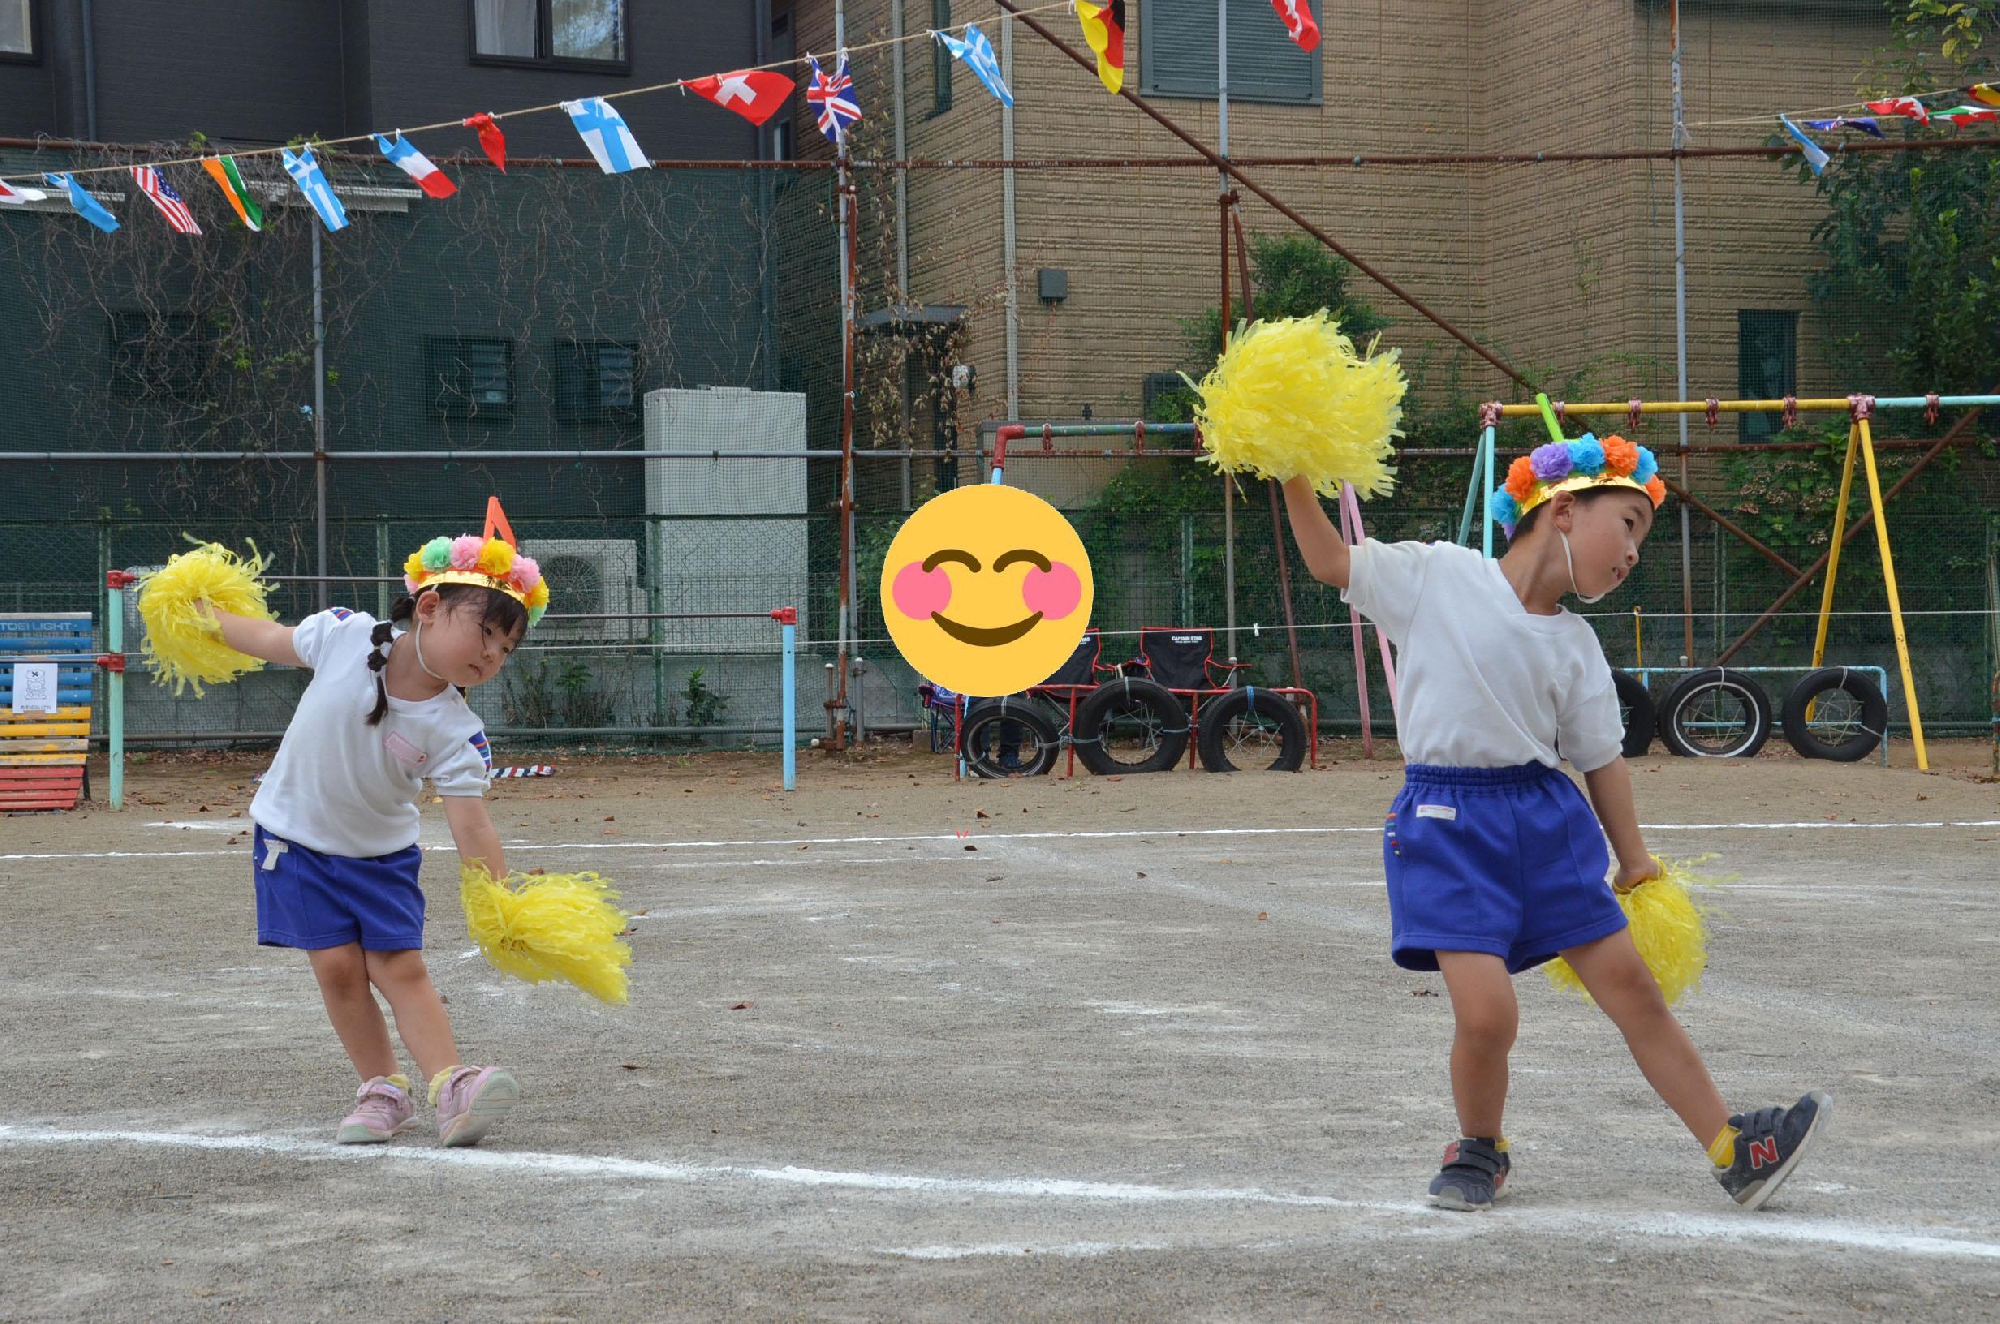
(799, 62)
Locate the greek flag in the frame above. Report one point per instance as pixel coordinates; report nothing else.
(86, 206)
(604, 132)
(305, 172)
(976, 54)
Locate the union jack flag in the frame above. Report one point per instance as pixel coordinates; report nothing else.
(832, 100)
(155, 186)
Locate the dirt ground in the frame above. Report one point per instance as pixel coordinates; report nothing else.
(903, 1047)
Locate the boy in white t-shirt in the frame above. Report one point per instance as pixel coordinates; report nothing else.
(1495, 863)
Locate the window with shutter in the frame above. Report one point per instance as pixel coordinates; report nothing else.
(1177, 53)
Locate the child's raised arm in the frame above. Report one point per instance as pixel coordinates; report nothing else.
(472, 831)
(1320, 544)
(266, 639)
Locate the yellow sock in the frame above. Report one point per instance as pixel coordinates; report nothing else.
(399, 1080)
(1722, 1149)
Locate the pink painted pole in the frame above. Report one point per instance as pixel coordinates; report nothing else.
(1351, 504)
(1350, 533)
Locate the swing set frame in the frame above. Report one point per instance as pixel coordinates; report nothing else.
(1860, 409)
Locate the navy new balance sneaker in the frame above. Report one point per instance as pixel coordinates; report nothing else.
(1474, 1175)
(1769, 1144)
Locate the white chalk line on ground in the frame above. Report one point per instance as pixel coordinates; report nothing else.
(1743, 1229)
(1118, 834)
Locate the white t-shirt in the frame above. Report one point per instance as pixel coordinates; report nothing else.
(343, 787)
(1481, 681)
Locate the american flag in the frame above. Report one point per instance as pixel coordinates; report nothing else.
(832, 99)
(155, 186)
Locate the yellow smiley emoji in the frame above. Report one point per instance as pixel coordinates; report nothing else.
(986, 590)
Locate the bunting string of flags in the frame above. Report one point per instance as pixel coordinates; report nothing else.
(755, 94)
(1975, 101)
(759, 94)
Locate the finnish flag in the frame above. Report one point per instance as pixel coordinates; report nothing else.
(603, 131)
(305, 172)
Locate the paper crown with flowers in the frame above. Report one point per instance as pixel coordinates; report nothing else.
(487, 561)
(1573, 466)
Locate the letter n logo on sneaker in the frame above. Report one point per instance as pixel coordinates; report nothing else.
(1763, 1153)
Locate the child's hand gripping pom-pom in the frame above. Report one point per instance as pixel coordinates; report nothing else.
(1667, 926)
(547, 927)
(183, 640)
(1290, 398)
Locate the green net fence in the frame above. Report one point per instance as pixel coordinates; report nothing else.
(524, 336)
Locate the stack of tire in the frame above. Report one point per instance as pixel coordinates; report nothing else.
(1671, 716)
(1021, 737)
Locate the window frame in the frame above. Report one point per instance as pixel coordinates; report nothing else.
(1148, 86)
(544, 57)
(33, 55)
(574, 408)
(436, 403)
(1752, 428)
(941, 61)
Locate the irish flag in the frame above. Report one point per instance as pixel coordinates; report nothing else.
(417, 166)
(223, 170)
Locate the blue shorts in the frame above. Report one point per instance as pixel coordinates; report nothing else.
(312, 901)
(1509, 861)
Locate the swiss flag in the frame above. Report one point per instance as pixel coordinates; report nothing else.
(755, 94)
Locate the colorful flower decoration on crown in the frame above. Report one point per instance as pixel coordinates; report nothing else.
(487, 562)
(1571, 466)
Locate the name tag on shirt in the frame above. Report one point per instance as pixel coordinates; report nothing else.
(1446, 812)
(404, 750)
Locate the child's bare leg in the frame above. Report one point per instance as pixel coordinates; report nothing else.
(1616, 976)
(1482, 1004)
(420, 1014)
(343, 985)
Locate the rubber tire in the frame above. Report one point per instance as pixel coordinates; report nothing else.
(1684, 692)
(1024, 712)
(1642, 720)
(1216, 715)
(1874, 715)
(1097, 705)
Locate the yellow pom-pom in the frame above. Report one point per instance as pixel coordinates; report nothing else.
(548, 927)
(1291, 398)
(1667, 927)
(183, 641)
(496, 558)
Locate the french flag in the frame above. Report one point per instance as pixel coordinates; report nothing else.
(417, 166)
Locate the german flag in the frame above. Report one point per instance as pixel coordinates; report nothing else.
(1987, 94)
(1104, 29)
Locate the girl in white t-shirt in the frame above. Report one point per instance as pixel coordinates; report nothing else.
(336, 857)
(1494, 861)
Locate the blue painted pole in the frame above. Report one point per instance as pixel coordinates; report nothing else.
(114, 644)
(1486, 511)
(788, 687)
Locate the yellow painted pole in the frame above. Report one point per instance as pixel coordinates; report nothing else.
(1638, 640)
(1839, 406)
(1833, 556)
(1895, 600)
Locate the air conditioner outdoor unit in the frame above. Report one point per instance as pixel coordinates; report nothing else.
(589, 575)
